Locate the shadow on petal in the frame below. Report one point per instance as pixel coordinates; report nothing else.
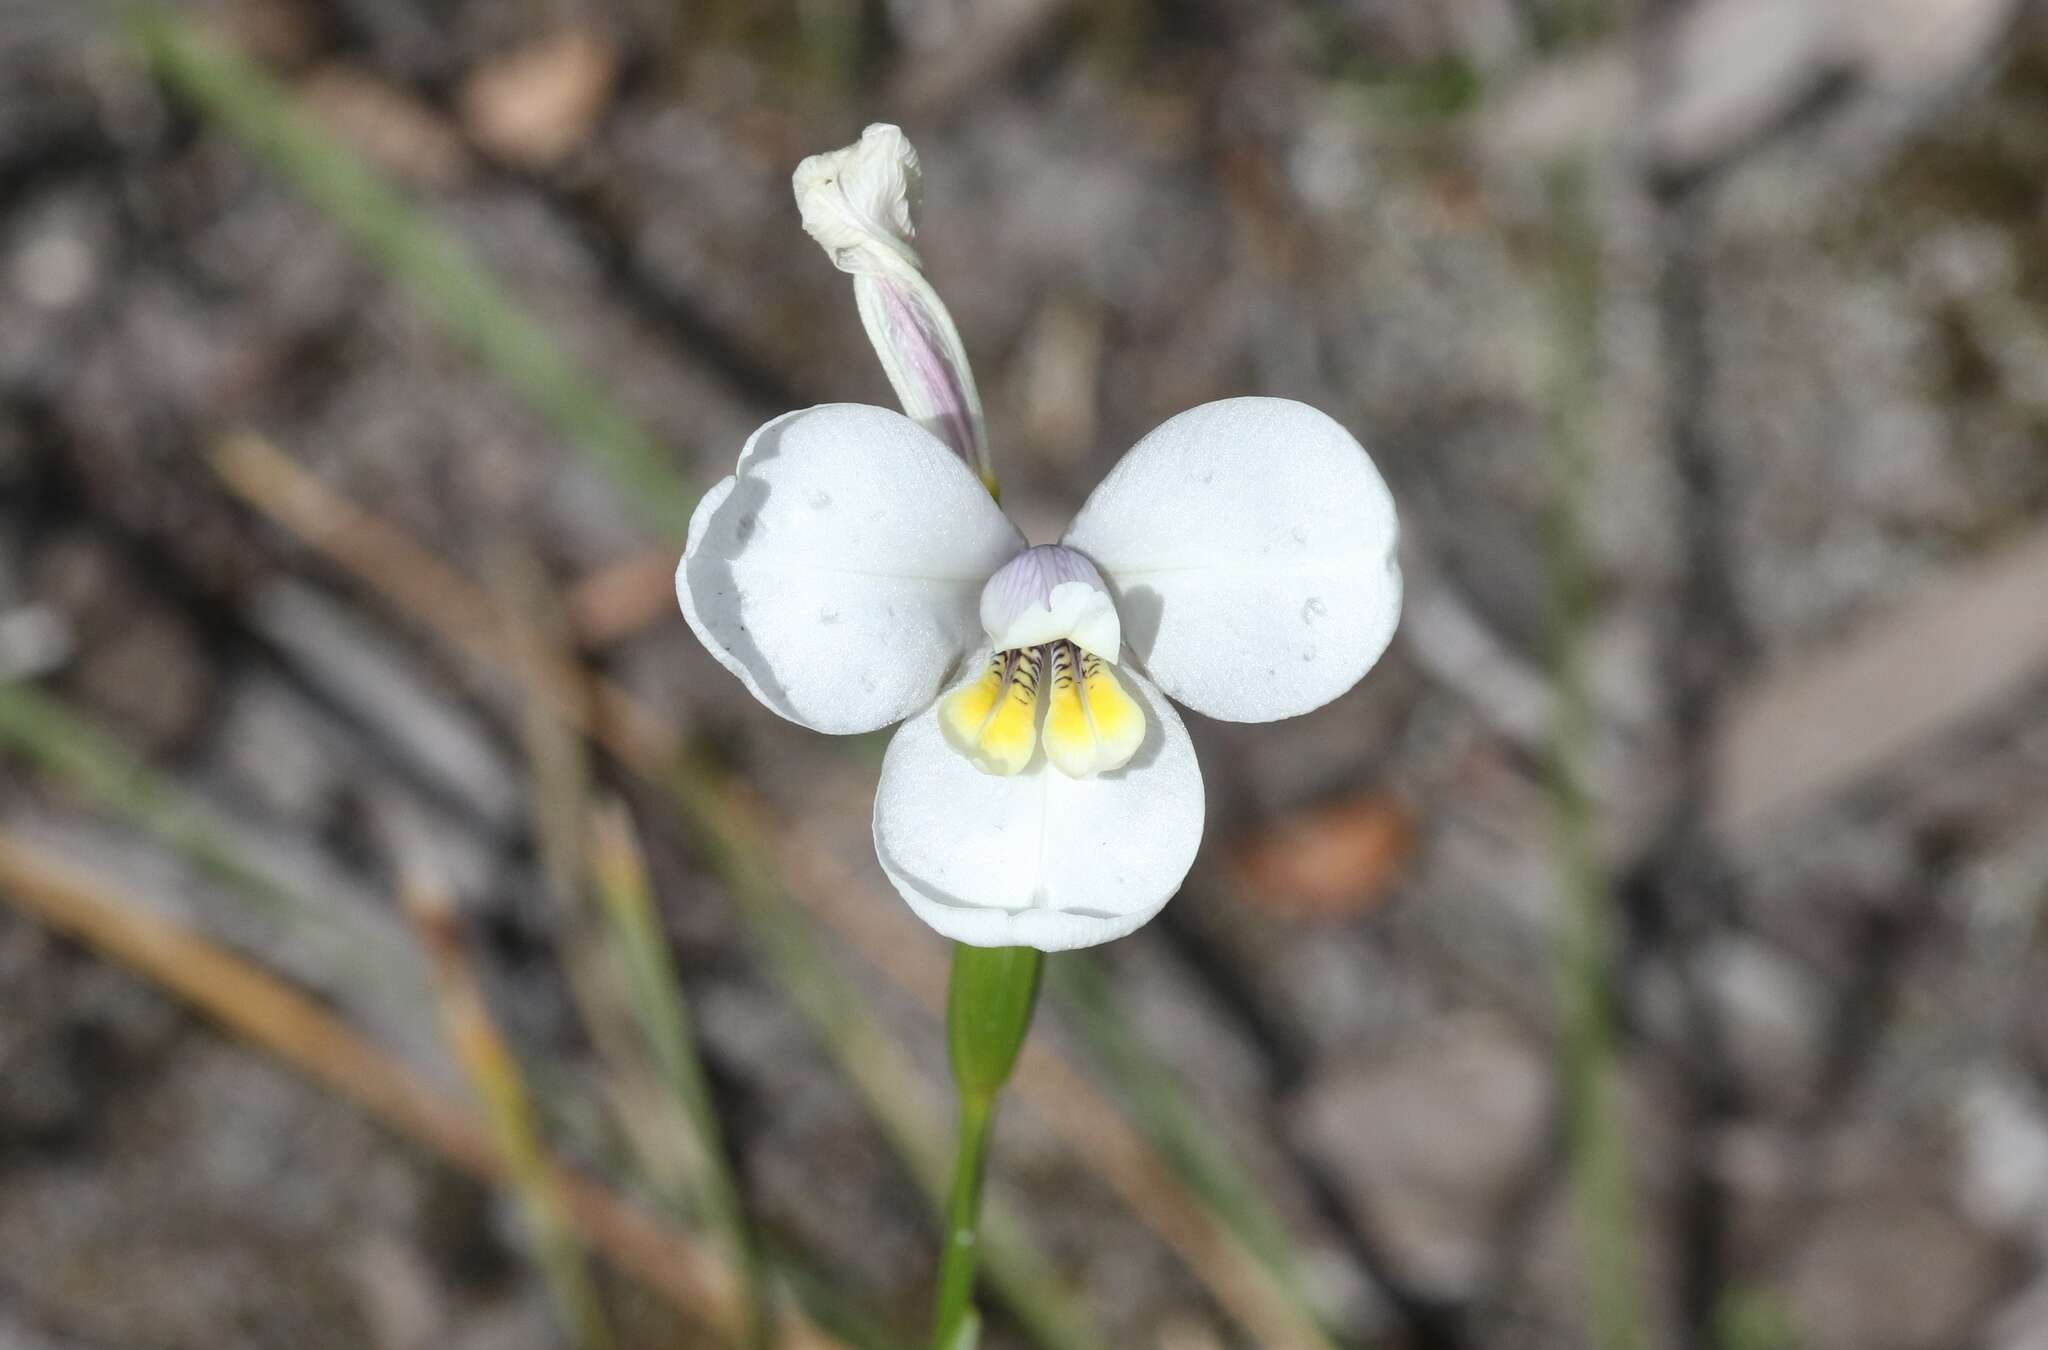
(735, 525)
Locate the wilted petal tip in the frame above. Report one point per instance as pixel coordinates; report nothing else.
(859, 202)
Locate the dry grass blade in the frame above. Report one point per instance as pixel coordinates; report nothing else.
(266, 1012)
(444, 602)
(624, 599)
(656, 993)
(71, 751)
(656, 1129)
(500, 1089)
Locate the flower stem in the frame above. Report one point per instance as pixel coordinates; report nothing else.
(963, 1220)
(988, 1011)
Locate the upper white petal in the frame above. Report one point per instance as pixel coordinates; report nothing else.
(1039, 859)
(1251, 547)
(838, 571)
(1048, 593)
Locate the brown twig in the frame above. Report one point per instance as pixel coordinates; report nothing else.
(500, 1089)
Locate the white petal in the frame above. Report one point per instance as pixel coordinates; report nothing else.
(1039, 859)
(838, 572)
(1251, 547)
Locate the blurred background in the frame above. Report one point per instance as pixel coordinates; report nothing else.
(411, 938)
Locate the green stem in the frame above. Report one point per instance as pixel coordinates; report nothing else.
(989, 1003)
(963, 1220)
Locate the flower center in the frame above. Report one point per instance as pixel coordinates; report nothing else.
(1055, 634)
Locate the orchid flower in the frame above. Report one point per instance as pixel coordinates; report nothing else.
(855, 571)
(1042, 792)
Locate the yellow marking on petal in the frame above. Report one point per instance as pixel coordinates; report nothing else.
(965, 711)
(1069, 741)
(1012, 731)
(1119, 720)
(1091, 724)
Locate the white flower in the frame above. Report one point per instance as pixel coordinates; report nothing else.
(1241, 559)
(858, 204)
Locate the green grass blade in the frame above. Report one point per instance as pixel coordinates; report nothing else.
(500, 1088)
(1161, 1108)
(831, 1310)
(1601, 1182)
(434, 267)
(654, 991)
(73, 751)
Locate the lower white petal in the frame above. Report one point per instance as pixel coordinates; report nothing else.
(1039, 859)
(838, 572)
(1251, 548)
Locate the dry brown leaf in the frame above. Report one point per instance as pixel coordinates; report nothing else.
(532, 106)
(1331, 862)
